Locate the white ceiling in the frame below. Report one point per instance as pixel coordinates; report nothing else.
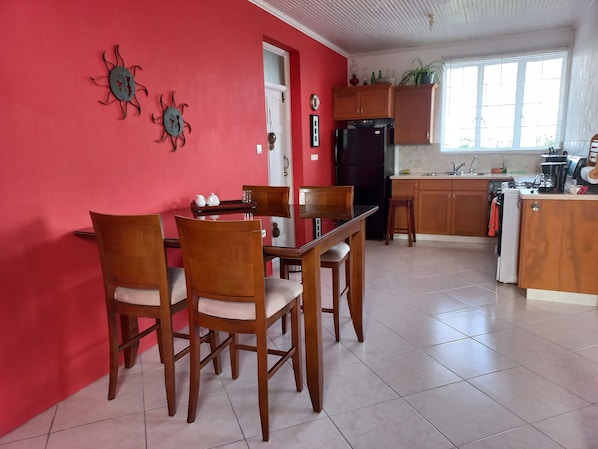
(363, 26)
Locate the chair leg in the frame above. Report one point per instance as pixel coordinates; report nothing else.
(234, 356)
(165, 331)
(348, 283)
(159, 338)
(195, 358)
(296, 342)
(284, 274)
(412, 221)
(129, 328)
(114, 353)
(335, 301)
(409, 224)
(390, 224)
(262, 380)
(214, 342)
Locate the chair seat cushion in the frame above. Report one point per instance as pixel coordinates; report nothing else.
(279, 293)
(151, 297)
(335, 254)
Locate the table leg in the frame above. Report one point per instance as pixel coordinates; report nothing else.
(357, 278)
(312, 316)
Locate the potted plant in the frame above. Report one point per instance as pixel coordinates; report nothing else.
(423, 73)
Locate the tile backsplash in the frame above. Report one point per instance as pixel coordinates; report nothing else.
(426, 158)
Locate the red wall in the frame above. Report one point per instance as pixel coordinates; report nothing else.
(63, 154)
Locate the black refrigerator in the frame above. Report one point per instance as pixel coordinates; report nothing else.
(365, 158)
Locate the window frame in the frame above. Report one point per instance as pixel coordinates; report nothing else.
(521, 58)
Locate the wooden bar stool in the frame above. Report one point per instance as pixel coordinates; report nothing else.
(393, 203)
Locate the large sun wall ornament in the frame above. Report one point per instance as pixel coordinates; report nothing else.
(121, 82)
(172, 122)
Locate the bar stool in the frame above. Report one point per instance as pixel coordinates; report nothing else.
(393, 203)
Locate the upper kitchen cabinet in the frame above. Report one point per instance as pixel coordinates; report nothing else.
(414, 114)
(363, 102)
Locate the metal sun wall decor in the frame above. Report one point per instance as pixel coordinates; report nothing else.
(121, 82)
(172, 122)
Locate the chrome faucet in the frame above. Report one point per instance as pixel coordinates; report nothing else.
(456, 167)
(475, 158)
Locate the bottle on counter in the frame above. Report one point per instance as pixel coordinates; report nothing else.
(373, 79)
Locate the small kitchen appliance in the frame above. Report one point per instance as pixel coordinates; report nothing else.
(554, 175)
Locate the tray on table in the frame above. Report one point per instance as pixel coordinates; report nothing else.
(227, 205)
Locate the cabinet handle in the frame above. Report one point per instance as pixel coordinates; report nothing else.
(535, 206)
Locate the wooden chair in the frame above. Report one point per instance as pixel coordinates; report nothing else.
(228, 292)
(272, 201)
(336, 256)
(269, 197)
(138, 283)
(393, 204)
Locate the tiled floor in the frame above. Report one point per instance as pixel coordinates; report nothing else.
(451, 360)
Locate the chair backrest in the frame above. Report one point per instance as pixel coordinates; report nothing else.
(326, 195)
(223, 260)
(132, 252)
(270, 200)
(269, 195)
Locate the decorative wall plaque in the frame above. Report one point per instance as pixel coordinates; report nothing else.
(172, 122)
(121, 83)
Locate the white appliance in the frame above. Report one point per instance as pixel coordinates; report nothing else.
(508, 244)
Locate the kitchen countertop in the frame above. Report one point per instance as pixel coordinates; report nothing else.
(532, 194)
(443, 175)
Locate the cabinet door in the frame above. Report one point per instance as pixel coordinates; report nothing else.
(469, 214)
(376, 104)
(345, 104)
(402, 187)
(414, 114)
(434, 212)
(558, 245)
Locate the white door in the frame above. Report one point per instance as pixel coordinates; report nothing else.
(278, 116)
(279, 157)
(278, 131)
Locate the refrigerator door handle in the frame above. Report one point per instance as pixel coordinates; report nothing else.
(286, 166)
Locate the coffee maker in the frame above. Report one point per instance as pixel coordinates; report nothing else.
(554, 176)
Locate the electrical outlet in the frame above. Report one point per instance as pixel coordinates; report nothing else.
(314, 157)
(258, 148)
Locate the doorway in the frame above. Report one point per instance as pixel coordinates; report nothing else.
(278, 116)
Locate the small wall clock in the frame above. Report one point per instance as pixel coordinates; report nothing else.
(314, 102)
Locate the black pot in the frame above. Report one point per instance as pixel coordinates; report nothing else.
(427, 78)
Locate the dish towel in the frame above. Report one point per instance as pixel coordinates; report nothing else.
(494, 222)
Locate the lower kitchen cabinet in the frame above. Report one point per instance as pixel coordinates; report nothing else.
(453, 207)
(557, 246)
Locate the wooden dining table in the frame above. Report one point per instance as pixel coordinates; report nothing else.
(298, 231)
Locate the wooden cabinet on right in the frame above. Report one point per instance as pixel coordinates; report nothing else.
(414, 114)
(453, 207)
(557, 246)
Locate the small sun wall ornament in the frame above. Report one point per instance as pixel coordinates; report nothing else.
(173, 123)
(121, 82)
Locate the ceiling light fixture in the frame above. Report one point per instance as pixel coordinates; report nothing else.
(431, 20)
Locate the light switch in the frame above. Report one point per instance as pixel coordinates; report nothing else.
(258, 148)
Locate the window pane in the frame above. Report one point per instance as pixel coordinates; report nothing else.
(460, 116)
(512, 102)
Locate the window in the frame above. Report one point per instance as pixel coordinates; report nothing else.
(504, 103)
